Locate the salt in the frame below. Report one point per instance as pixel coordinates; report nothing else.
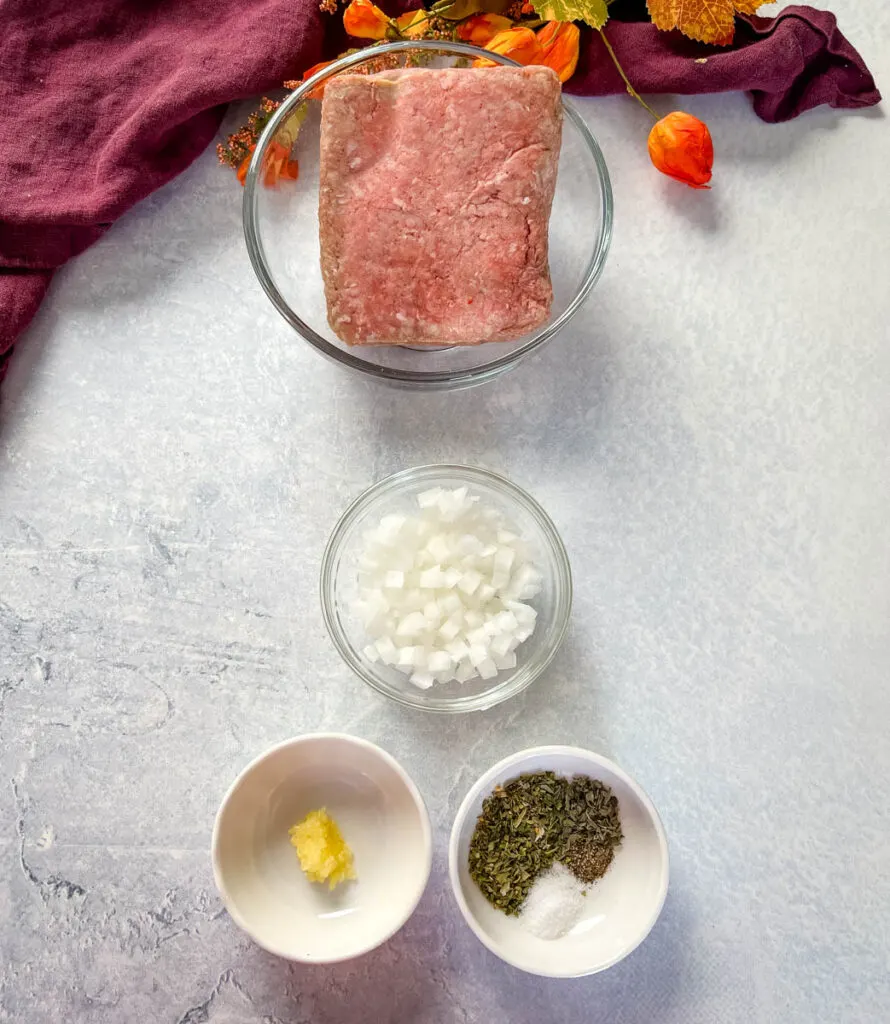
(554, 903)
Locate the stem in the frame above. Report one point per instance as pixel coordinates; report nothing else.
(624, 77)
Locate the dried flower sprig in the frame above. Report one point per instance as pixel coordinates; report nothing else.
(242, 143)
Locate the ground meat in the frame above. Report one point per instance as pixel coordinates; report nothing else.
(436, 187)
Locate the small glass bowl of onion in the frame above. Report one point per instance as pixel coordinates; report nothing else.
(441, 561)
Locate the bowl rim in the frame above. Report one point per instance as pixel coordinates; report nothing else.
(436, 379)
(294, 741)
(485, 780)
(498, 693)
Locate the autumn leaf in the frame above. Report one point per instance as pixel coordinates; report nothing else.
(594, 12)
(708, 21)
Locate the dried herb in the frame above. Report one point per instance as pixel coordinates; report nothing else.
(589, 860)
(535, 820)
(592, 811)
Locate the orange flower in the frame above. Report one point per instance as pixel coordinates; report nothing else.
(245, 163)
(482, 28)
(520, 44)
(277, 164)
(291, 170)
(559, 42)
(318, 92)
(413, 24)
(680, 146)
(365, 21)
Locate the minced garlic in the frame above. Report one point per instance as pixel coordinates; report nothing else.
(323, 852)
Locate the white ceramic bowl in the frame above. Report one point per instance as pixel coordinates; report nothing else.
(382, 817)
(620, 909)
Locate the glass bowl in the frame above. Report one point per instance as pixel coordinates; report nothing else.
(396, 494)
(281, 230)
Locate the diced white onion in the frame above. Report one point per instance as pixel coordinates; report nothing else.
(413, 624)
(439, 661)
(442, 593)
(451, 627)
(469, 581)
(506, 622)
(386, 649)
(439, 548)
(432, 579)
(458, 650)
(477, 637)
(487, 668)
(465, 673)
(478, 654)
(427, 499)
(499, 646)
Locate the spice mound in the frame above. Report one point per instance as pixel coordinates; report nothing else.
(435, 194)
(443, 593)
(537, 820)
(323, 852)
(555, 903)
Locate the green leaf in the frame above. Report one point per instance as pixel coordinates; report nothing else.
(457, 10)
(594, 12)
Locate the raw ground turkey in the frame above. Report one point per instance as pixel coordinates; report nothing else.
(436, 188)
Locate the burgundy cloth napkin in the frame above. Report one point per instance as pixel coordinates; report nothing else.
(103, 101)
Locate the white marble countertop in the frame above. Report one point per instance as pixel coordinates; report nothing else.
(711, 437)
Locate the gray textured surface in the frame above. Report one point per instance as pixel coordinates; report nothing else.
(712, 439)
